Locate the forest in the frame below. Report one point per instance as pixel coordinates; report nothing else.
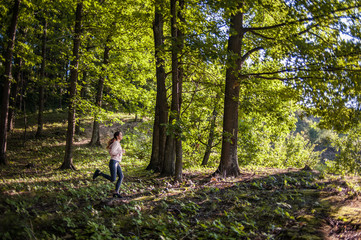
(239, 119)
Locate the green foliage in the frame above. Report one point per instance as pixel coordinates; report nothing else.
(348, 157)
(139, 141)
(263, 145)
(294, 52)
(311, 128)
(294, 151)
(265, 136)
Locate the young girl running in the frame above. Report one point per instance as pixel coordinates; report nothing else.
(116, 152)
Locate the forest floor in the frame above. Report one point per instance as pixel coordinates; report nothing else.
(38, 201)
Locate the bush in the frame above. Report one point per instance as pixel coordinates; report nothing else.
(348, 159)
(286, 151)
(300, 152)
(137, 141)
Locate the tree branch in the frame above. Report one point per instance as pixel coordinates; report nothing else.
(261, 35)
(262, 75)
(194, 94)
(286, 79)
(303, 19)
(330, 69)
(245, 56)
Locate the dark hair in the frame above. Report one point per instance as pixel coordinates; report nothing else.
(116, 134)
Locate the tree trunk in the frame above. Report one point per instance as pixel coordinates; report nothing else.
(95, 140)
(25, 119)
(14, 95)
(64, 79)
(22, 88)
(209, 146)
(179, 160)
(12, 104)
(161, 107)
(154, 159)
(178, 140)
(173, 149)
(68, 158)
(42, 84)
(41, 112)
(168, 166)
(8, 56)
(82, 95)
(228, 166)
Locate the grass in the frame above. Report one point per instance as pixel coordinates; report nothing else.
(38, 201)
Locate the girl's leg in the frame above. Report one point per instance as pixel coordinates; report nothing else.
(120, 178)
(113, 171)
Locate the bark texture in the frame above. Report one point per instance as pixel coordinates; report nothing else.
(173, 148)
(229, 159)
(42, 84)
(161, 107)
(82, 95)
(179, 50)
(68, 158)
(209, 145)
(14, 93)
(8, 56)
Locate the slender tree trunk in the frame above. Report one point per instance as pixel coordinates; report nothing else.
(161, 108)
(21, 90)
(65, 79)
(25, 119)
(16, 90)
(22, 104)
(82, 95)
(178, 140)
(42, 84)
(95, 140)
(14, 95)
(179, 160)
(8, 56)
(39, 131)
(207, 153)
(229, 160)
(12, 105)
(68, 158)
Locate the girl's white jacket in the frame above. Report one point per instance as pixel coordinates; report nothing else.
(115, 151)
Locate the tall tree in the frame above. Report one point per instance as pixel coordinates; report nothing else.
(95, 140)
(14, 93)
(42, 82)
(229, 159)
(287, 48)
(180, 73)
(173, 147)
(161, 107)
(211, 135)
(68, 158)
(8, 56)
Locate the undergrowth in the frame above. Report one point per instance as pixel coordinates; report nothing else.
(39, 201)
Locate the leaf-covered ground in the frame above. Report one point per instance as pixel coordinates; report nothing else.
(38, 201)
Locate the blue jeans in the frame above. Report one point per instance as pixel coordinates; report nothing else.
(115, 170)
